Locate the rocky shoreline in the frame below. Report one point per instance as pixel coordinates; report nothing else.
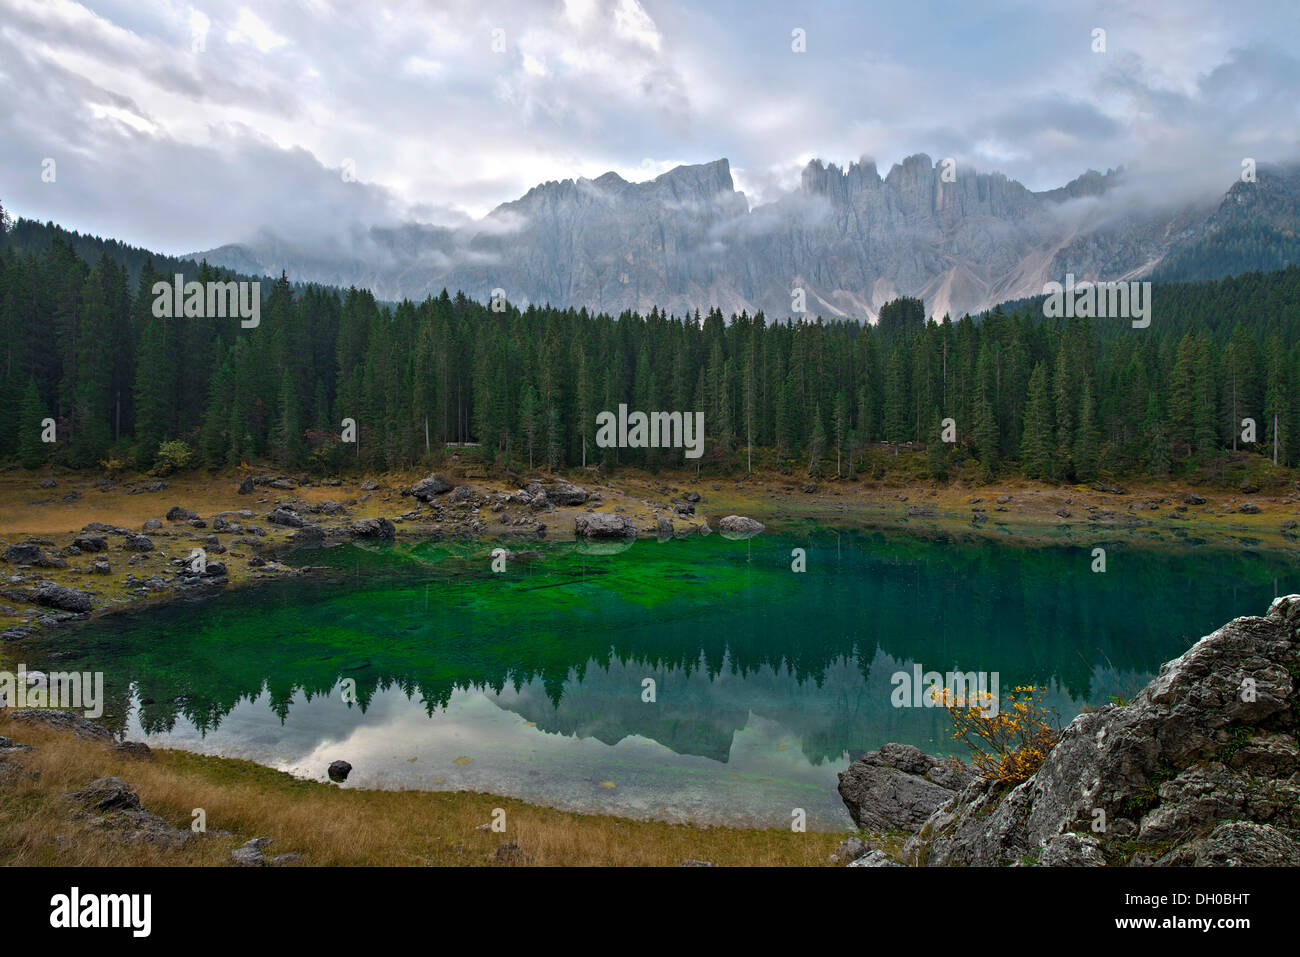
(1201, 768)
(183, 552)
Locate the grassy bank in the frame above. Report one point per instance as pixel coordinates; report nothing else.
(328, 825)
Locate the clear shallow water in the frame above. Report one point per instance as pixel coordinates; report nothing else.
(529, 683)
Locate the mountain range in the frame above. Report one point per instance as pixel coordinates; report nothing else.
(848, 238)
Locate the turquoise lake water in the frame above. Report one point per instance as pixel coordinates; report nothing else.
(532, 683)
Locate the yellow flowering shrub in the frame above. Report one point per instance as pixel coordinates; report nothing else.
(1007, 746)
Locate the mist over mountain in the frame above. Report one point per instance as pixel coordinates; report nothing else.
(849, 238)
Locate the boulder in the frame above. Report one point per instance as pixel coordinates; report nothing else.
(512, 855)
(250, 855)
(1072, 850)
(69, 721)
(246, 486)
(286, 517)
(30, 553)
(899, 787)
(138, 543)
(100, 527)
(107, 794)
(874, 859)
(427, 488)
(65, 599)
(179, 514)
(373, 528)
(1211, 741)
(133, 749)
(739, 527)
(339, 770)
(603, 525)
(849, 851)
(308, 535)
(562, 493)
(1238, 843)
(91, 543)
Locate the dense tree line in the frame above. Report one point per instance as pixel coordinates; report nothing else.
(1235, 249)
(1062, 400)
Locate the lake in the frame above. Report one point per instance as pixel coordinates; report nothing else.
(532, 682)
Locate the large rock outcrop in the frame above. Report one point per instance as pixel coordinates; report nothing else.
(899, 787)
(1201, 767)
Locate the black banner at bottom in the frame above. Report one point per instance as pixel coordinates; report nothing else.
(339, 905)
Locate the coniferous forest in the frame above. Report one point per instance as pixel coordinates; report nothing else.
(1056, 399)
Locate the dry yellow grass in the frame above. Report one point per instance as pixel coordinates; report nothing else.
(333, 826)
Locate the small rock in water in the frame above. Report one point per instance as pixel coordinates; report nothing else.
(739, 527)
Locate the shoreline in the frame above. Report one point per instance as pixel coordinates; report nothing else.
(1018, 513)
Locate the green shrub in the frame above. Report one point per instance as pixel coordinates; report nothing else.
(173, 456)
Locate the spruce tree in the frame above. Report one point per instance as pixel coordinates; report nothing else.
(1037, 448)
(32, 451)
(1087, 437)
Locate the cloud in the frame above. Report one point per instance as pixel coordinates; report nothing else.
(249, 28)
(179, 127)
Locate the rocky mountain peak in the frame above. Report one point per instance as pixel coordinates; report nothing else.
(840, 185)
(688, 240)
(1091, 183)
(702, 181)
(916, 170)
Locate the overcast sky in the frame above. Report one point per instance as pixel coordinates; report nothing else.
(182, 126)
